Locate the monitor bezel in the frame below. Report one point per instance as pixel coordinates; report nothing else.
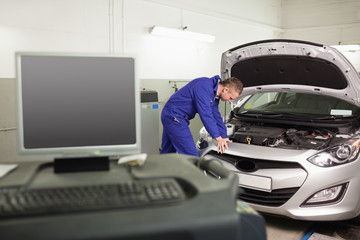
(80, 151)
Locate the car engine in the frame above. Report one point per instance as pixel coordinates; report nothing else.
(301, 137)
(281, 137)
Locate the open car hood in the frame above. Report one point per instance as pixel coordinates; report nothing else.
(290, 65)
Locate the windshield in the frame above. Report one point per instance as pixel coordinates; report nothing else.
(297, 103)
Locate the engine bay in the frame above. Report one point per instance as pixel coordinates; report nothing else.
(285, 135)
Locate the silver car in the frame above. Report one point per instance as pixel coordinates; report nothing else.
(295, 131)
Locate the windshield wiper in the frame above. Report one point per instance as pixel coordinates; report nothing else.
(290, 115)
(271, 114)
(335, 117)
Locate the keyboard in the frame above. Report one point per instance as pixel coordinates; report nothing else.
(19, 202)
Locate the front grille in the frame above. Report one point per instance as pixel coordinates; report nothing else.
(256, 163)
(274, 198)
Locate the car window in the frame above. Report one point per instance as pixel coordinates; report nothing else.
(301, 103)
(260, 101)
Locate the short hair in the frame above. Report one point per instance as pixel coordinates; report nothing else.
(233, 83)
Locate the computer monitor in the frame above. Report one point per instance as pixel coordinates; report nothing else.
(72, 105)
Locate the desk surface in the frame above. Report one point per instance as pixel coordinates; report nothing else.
(209, 212)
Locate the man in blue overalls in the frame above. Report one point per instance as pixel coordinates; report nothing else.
(200, 96)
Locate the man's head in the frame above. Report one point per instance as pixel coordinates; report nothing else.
(230, 89)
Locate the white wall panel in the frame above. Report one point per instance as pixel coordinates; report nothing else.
(315, 13)
(57, 26)
(330, 22)
(168, 58)
(121, 26)
(8, 142)
(327, 21)
(265, 12)
(85, 17)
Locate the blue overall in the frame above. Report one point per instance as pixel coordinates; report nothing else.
(198, 96)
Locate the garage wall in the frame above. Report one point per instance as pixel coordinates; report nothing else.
(7, 120)
(331, 22)
(122, 26)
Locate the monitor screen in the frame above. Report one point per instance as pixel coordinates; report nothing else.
(77, 105)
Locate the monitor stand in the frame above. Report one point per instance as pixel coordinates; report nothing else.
(64, 165)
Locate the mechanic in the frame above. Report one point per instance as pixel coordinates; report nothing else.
(201, 96)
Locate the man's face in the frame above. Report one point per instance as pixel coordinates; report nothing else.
(228, 95)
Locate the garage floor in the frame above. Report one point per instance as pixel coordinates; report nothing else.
(288, 229)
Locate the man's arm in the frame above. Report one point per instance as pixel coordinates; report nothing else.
(212, 120)
(219, 120)
(203, 100)
(223, 140)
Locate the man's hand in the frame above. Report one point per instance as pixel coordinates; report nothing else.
(222, 144)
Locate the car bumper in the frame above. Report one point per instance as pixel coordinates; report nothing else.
(298, 175)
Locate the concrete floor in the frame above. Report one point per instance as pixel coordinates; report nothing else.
(287, 229)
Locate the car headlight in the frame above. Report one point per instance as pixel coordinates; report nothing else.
(340, 154)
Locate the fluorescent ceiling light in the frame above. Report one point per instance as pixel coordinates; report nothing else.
(347, 48)
(183, 34)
